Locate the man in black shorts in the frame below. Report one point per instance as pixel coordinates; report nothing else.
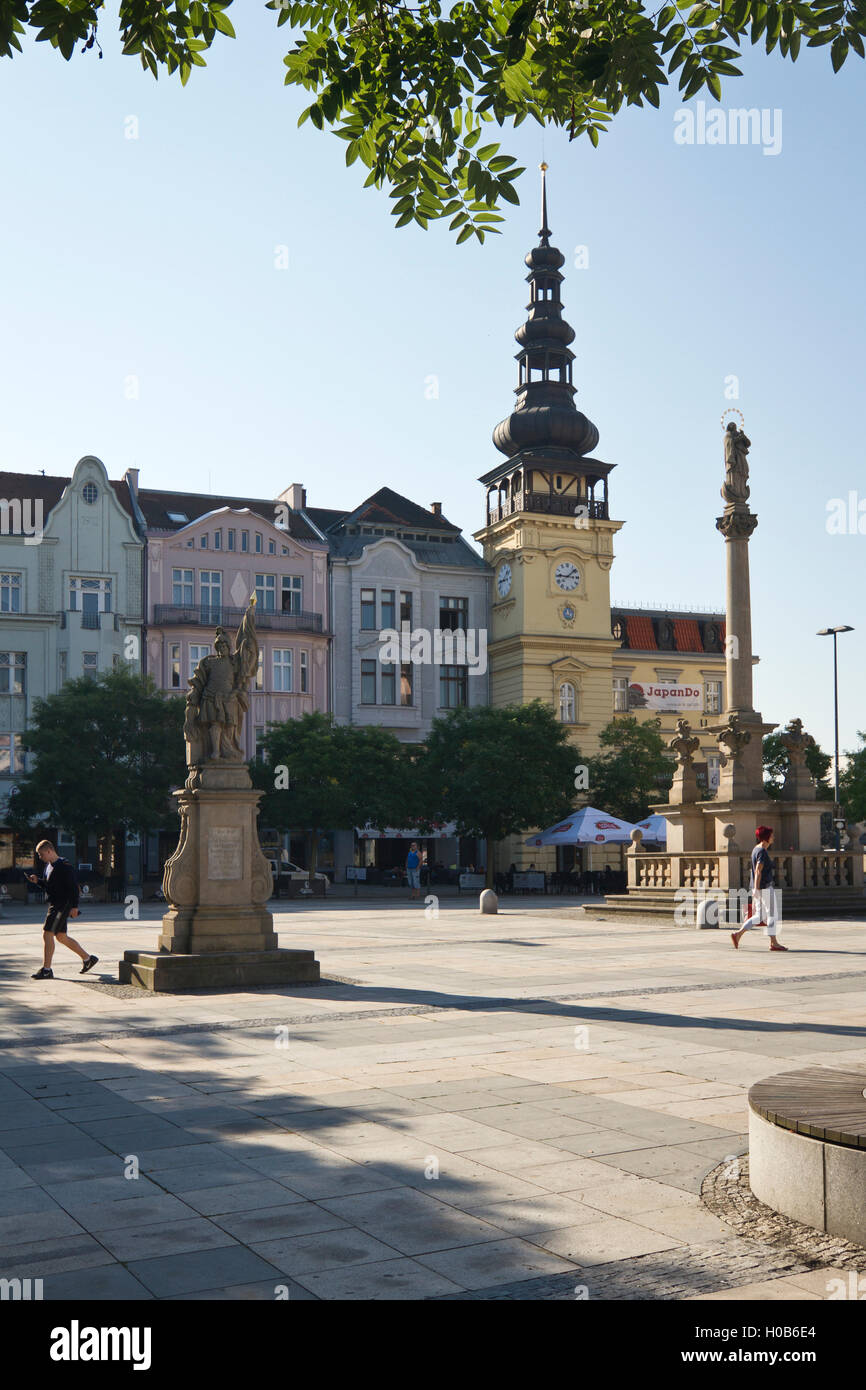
(58, 881)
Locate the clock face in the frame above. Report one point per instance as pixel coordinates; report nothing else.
(503, 580)
(567, 576)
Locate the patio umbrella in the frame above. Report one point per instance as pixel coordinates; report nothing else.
(654, 828)
(587, 826)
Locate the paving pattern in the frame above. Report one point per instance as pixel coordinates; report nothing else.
(524, 1107)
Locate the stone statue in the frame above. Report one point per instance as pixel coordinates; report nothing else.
(796, 743)
(684, 744)
(732, 739)
(736, 485)
(218, 697)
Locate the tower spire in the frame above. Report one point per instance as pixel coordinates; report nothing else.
(544, 230)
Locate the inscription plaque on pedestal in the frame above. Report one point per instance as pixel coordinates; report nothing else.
(225, 852)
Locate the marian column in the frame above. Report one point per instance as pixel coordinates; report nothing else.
(740, 737)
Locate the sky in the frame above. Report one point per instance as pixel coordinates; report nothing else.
(219, 303)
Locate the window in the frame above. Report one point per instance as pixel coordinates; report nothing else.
(231, 538)
(258, 542)
(260, 671)
(10, 593)
(174, 665)
(406, 684)
(566, 703)
(620, 694)
(389, 685)
(368, 682)
(210, 586)
(368, 609)
(90, 596)
(713, 770)
(179, 518)
(389, 609)
(453, 613)
(714, 697)
(282, 669)
(13, 673)
(11, 755)
(272, 546)
(245, 540)
(90, 492)
(217, 540)
(266, 592)
(405, 608)
(90, 663)
(181, 588)
(667, 677)
(196, 654)
(202, 540)
(260, 743)
(292, 593)
(305, 673)
(453, 686)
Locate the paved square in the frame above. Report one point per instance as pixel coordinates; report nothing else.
(519, 1106)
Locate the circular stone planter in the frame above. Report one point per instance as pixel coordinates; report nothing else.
(807, 1148)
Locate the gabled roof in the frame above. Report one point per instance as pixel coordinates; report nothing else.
(156, 505)
(657, 630)
(49, 488)
(388, 508)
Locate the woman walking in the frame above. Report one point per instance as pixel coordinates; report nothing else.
(763, 891)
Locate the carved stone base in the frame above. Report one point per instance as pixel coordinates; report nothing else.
(185, 930)
(157, 970)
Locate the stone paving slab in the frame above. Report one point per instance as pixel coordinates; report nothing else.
(456, 1115)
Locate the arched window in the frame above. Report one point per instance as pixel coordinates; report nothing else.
(567, 703)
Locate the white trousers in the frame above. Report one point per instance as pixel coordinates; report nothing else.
(763, 910)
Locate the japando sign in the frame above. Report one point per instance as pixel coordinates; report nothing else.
(664, 696)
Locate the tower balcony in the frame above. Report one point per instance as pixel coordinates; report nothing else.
(500, 506)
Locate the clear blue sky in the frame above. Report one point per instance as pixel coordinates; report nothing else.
(154, 258)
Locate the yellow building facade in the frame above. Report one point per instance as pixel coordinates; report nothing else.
(549, 538)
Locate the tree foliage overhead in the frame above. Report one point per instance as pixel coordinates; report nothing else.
(852, 782)
(410, 88)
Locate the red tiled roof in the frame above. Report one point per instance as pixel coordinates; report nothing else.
(687, 635)
(722, 632)
(641, 636)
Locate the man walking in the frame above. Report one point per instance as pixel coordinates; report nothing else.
(763, 891)
(58, 881)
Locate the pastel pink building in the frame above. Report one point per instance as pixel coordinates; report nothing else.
(205, 556)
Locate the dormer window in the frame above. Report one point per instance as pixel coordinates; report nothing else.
(179, 518)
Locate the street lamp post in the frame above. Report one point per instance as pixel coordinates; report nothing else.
(833, 632)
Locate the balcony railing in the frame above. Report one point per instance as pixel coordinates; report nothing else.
(550, 503)
(218, 615)
(91, 620)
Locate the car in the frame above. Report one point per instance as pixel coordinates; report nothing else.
(287, 872)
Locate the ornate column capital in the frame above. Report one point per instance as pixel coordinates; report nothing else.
(738, 523)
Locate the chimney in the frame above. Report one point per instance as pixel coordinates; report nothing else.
(436, 508)
(130, 477)
(296, 496)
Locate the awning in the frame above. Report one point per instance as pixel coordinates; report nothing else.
(654, 828)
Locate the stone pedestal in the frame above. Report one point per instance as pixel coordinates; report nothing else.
(217, 930)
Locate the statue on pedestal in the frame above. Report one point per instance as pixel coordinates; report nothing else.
(735, 488)
(684, 744)
(799, 783)
(796, 743)
(218, 696)
(732, 739)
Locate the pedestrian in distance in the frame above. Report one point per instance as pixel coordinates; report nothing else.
(59, 882)
(763, 891)
(413, 871)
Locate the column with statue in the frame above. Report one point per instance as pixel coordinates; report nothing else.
(217, 929)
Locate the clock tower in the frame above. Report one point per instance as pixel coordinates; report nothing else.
(548, 534)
